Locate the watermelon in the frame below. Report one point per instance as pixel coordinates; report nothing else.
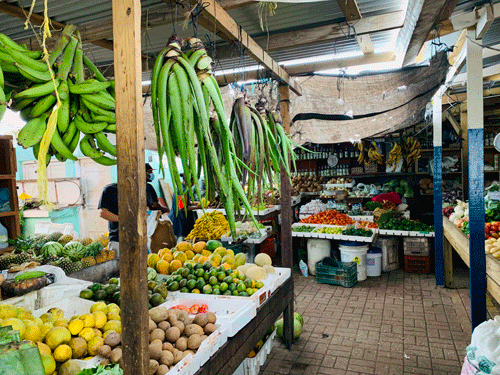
(93, 249)
(297, 327)
(213, 244)
(74, 250)
(151, 274)
(51, 248)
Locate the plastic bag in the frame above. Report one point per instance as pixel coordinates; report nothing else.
(484, 350)
(303, 268)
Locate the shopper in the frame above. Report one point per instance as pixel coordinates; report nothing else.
(182, 218)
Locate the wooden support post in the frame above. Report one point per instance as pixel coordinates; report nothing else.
(448, 262)
(286, 216)
(131, 186)
(438, 190)
(475, 129)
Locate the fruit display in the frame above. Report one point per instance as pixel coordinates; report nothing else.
(406, 225)
(329, 217)
(57, 249)
(394, 157)
(248, 229)
(212, 225)
(330, 230)
(23, 283)
(492, 230)
(340, 180)
(412, 150)
(375, 154)
(313, 207)
(307, 184)
(60, 339)
(402, 187)
(68, 105)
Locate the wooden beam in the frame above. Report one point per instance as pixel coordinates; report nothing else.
(453, 121)
(458, 47)
(443, 28)
(131, 186)
(365, 43)
(214, 14)
(421, 54)
(231, 4)
(485, 20)
(457, 98)
(350, 9)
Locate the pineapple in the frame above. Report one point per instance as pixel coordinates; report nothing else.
(85, 241)
(110, 255)
(104, 240)
(6, 260)
(65, 239)
(50, 260)
(88, 261)
(53, 236)
(21, 258)
(77, 266)
(66, 265)
(101, 257)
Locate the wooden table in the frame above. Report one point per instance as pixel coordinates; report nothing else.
(227, 359)
(454, 238)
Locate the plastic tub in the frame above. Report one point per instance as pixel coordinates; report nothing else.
(374, 262)
(316, 251)
(354, 252)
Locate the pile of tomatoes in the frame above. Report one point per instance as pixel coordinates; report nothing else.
(367, 224)
(329, 217)
(195, 309)
(492, 230)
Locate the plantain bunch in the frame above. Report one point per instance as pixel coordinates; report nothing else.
(395, 156)
(361, 148)
(375, 155)
(412, 150)
(87, 111)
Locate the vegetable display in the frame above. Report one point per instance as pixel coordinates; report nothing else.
(329, 217)
(372, 205)
(303, 228)
(406, 225)
(492, 230)
(332, 230)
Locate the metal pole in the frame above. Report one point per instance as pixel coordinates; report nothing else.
(438, 187)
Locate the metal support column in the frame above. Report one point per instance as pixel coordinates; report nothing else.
(477, 273)
(437, 126)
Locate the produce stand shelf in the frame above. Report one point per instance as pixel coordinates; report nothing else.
(227, 359)
(98, 273)
(456, 239)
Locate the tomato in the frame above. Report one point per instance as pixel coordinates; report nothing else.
(495, 235)
(194, 309)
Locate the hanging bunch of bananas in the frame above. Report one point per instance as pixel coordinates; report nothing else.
(182, 91)
(86, 113)
(361, 148)
(375, 154)
(394, 156)
(412, 150)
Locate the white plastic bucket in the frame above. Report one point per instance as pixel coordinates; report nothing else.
(374, 263)
(353, 252)
(316, 251)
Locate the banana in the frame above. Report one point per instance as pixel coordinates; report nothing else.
(61, 43)
(63, 117)
(88, 127)
(97, 110)
(100, 101)
(90, 86)
(43, 106)
(32, 133)
(40, 90)
(3, 104)
(111, 128)
(101, 118)
(25, 60)
(36, 148)
(19, 105)
(8, 68)
(70, 133)
(67, 59)
(60, 148)
(33, 74)
(88, 148)
(2, 80)
(104, 144)
(74, 142)
(5, 41)
(104, 160)
(93, 69)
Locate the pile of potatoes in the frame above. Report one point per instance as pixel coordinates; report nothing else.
(173, 334)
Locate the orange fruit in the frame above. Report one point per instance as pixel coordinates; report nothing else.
(167, 256)
(163, 251)
(197, 257)
(152, 260)
(226, 266)
(202, 259)
(189, 254)
(183, 246)
(206, 253)
(175, 265)
(162, 267)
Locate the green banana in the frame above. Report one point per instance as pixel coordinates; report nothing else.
(25, 113)
(33, 74)
(18, 105)
(61, 43)
(8, 68)
(88, 127)
(60, 147)
(97, 110)
(104, 144)
(104, 160)
(74, 142)
(28, 275)
(3, 104)
(100, 101)
(111, 128)
(43, 105)
(2, 80)
(32, 132)
(36, 148)
(7, 42)
(88, 148)
(67, 60)
(63, 117)
(101, 118)
(37, 91)
(6, 58)
(93, 69)
(70, 133)
(63, 91)
(90, 86)
(78, 69)
(25, 60)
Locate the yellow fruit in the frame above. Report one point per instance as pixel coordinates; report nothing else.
(62, 353)
(179, 255)
(113, 315)
(57, 336)
(163, 267)
(113, 307)
(215, 259)
(17, 324)
(192, 262)
(100, 319)
(38, 321)
(226, 266)
(44, 329)
(162, 252)
(43, 348)
(240, 259)
(87, 334)
(76, 326)
(230, 252)
(114, 325)
(94, 345)
(49, 365)
(99, 306)
(189, 254)
(221, 251)
(47, 318)
(88, 320)
(197, 258)
(175, 265)
(153, 259)
(7, 311)
(206, 253)
(183, 246)
(56, 312)
(167, 256)
(78, 347)
(61, 323)
(98, 332)
(199, 247)
(24, 314)
(32, 333)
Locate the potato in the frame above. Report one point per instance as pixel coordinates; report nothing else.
(184, 354)
(172, 313)
(162, 370)
(152, 325)
(194, 341)
(172, 320)
(166, 358)
(203, 337)
(157, 334)
(104, 351)
(164, 325)
(105, 362)
(188, 321)
(181, 344)
(158, 314)
(179, 325)
(212, 318)
(177, 356)
(113, 339)
(116, 355)
(153, 367)
(201, 319)
(173, 334)
(191, 329)
(155, 349)
(183, 316)
(168, 346)
(209, 328)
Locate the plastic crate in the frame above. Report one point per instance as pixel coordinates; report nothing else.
(417, 264)
(416, 246)
(332, 271)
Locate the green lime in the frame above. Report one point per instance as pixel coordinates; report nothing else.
(223, 287)
(232, 275)
(95, 287)
(250, 291)
(87, 294)
(199, 272)
(173, 286)
(200, 284)
(112, 289)
(228, 271)
(178, 278)
(221, 276)
(116, 298)
(243, 294)
(213, 280)
(198, 266)
(191, 277)
(241, 287)
(206, 276)
(236, 293)
(100, 295)
(259, 284)
(228, 280)
(161, 289)
(248, 282)
(227, 293)
(189, 266)
(191, 284)
(216, 292)
(221, 269)
(207, 289)
(185, 272)
(114, 281)
(184, 290)
(213, 272)
(241, 277)
(207, 265)
(152, 284)
(232, 287)
(183, 283)
(156, 299)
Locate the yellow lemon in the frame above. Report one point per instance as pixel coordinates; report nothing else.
(87, 333)
(114, 325)
(99, 306)
(17, 324)
(88, 320)
(32, 333)
(98, 332)
(153, 259)
(57, 336)
(114, 315)
(113, 307)
(62, 353)
(56, 312)
(37, 321)
(23, 314)
(44, 329)
(75, 326)
(49, 365)
(47, 318)
(7, 311)
(167, 255)
(94, 345)
(43, 348)
(61, 323)
(100, 319)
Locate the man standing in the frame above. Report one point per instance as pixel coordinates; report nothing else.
(109, 207)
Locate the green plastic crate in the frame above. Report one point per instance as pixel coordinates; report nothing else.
(331, 271)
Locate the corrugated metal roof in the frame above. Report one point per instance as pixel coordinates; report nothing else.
(376, 7)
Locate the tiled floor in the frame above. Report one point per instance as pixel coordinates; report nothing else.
(396, 324)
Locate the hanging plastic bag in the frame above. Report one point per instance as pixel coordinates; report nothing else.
(303, 268)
